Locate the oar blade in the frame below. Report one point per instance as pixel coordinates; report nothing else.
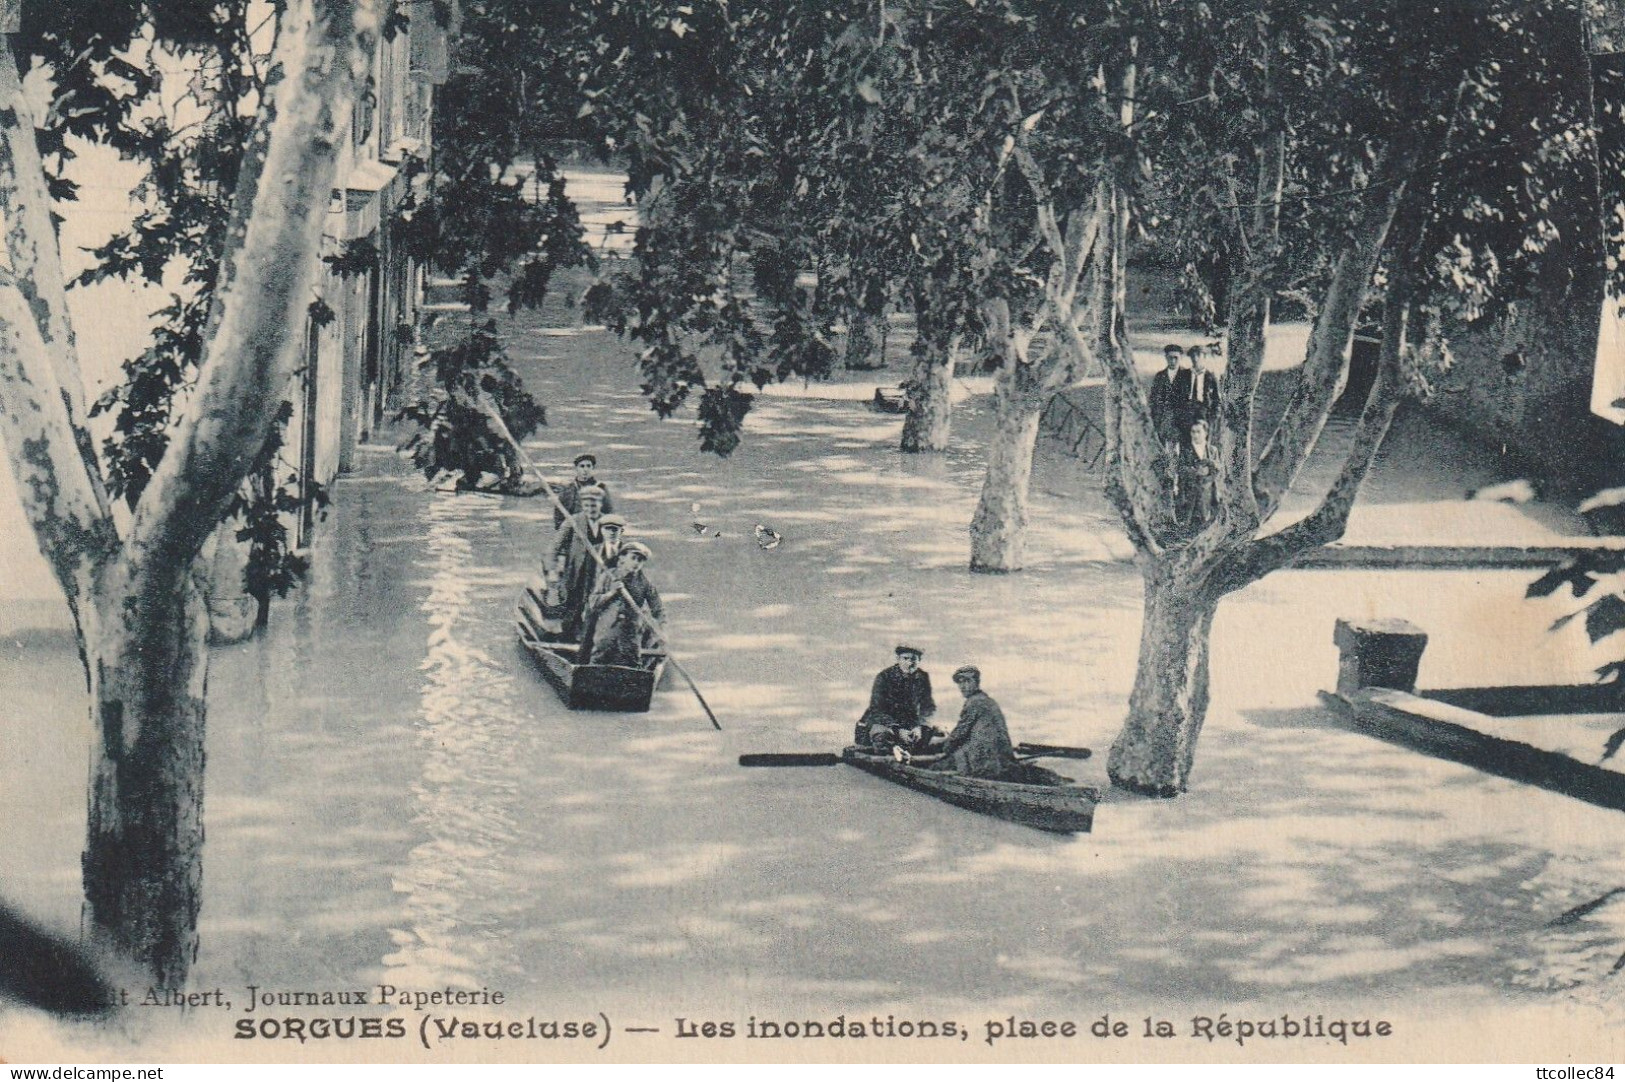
(790, 758)
(1053, 751)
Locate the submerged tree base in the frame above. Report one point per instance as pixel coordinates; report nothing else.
(1161, 792)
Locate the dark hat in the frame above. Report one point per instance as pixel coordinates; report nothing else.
(968, 672)
(1172, 348)
(904, 649)
(1195, 351)
(589, 459)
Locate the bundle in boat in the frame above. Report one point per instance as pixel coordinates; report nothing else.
(621, 688)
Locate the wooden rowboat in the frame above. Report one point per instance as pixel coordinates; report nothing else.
(1043, 800)
(620, 688)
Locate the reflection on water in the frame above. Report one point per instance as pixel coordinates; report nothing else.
(471, 745)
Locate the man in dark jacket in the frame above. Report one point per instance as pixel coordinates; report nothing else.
(979, 746)
(570, 494)
(615, 634)
(899, 704)
(1165, 413)
(1196, 394)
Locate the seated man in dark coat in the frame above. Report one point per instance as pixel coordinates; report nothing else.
(615, 635)
(979, 746)
(899, 704)
(570, 494)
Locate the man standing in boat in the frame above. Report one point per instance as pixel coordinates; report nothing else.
(603, 572)
(899, 704)
(570, 494)
(573, 567)
(980, 745)
(614, 633)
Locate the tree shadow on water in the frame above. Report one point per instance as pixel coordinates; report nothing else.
(1311, 857)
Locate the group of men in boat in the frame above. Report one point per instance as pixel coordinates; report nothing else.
(897, 722)
(597, 588)
(599, 592)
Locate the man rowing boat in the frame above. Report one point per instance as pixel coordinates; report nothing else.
(613, 633)
(980, 745)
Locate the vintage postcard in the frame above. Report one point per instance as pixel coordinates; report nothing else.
(904, 531)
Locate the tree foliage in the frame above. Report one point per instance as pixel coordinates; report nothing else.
(491, 212)
(174, 88)
(474, 411)
(808, 172)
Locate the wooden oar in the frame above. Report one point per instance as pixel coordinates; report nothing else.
(1052, 751)
(790, 758)
(687, 679)
(825, 758)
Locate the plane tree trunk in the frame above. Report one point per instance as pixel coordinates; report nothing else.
(1188, 570)
(998, 531)
(143, 858)
(138, 608)
(929, 422)
(1026, 377)
(865, 340)
(1155, 750)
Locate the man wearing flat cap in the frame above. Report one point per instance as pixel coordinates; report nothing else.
(609, 549)
(614, 529)
(570, 494)
(614, 634)
(899, 704)
(573, 568)
(980, 744)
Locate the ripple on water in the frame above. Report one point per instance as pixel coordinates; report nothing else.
(472, 737)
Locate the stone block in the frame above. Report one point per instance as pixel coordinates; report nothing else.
(1378, 653)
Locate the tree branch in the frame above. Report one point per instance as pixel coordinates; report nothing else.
(1128, 504)
(31, 243)
(1328, 521)
(1049, 226)
(63, 503)
(270, 266)
(31, 235)
(1133, 483)
(1247, 325)
(1324, 369)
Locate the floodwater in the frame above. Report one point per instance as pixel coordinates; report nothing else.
(396, 797)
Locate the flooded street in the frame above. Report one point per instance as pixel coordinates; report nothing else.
(396, 797)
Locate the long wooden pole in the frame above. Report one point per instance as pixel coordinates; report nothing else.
(648, 621)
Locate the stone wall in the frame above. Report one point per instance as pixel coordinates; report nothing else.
(1522, 378)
